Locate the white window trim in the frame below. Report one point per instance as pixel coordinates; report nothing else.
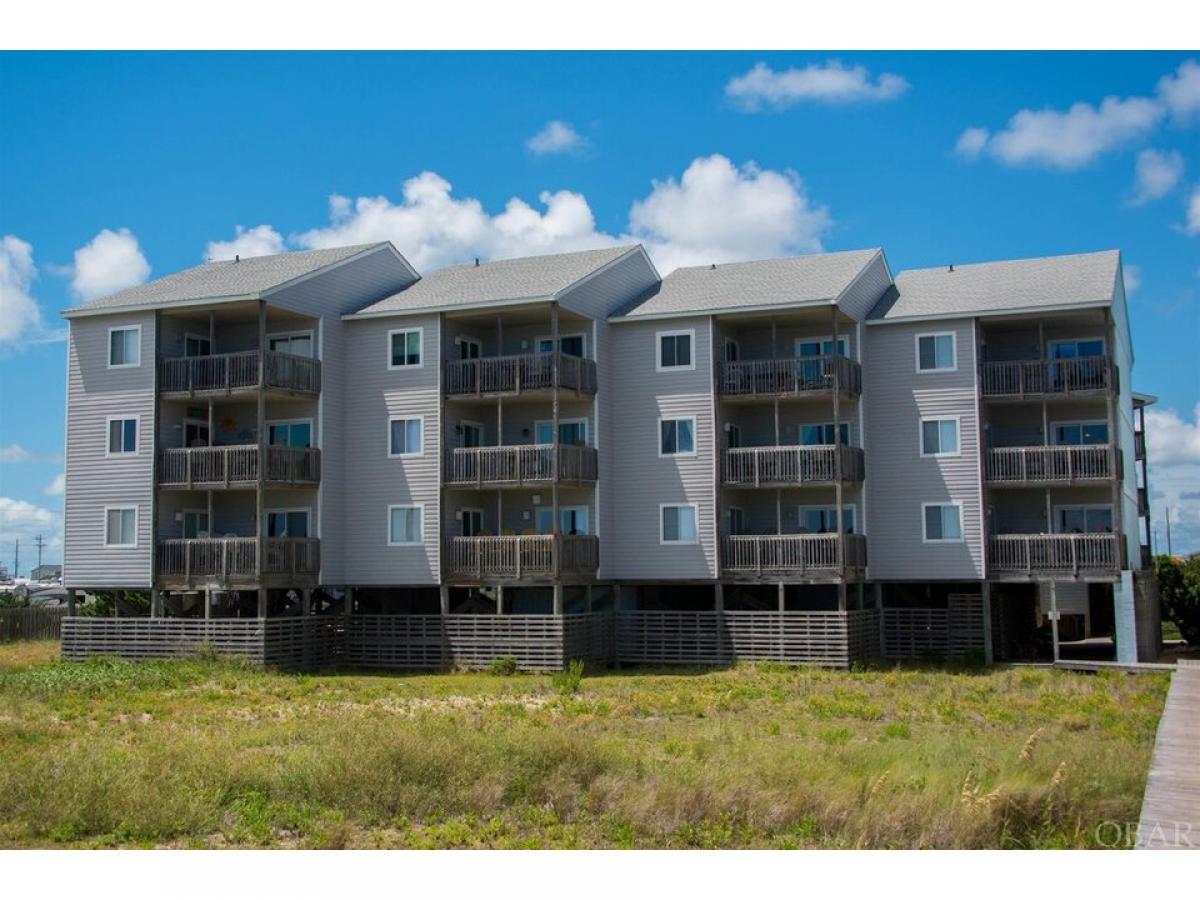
(537, 341)
(194, 335)
(842, 339)
(851, 507)
(800, 426)
(461, 511)
(458, 339)
(137, 429)
(194, 512)
(1051, 344)
(662, 540)
(309, 422)
(957, 420)
(1052, 440)
(405, 367)
(658, 363)
(108, 348)
(312, 338)
(587, 432)
(395, 506)
(695, 437)
(587, 514)
(925, 539)
(104, 525)
(390, 454)
(1062, 506)
(935, 334)
(307, 510)
(464, 424)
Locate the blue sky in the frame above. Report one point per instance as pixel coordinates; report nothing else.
(702, 156)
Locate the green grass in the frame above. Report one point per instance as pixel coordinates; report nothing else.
(209, 753)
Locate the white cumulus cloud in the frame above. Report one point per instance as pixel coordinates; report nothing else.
(1173, 447)
(23, 521)
(57, 487)
(20, 315)
(261, 240)
(1172, 440)
(15, 453)
(556, 136)
(1192, 225)
(1181, 91)
(1133, 277)
(109, 262)
(1155, 175)
(831, 82)
(971, 142)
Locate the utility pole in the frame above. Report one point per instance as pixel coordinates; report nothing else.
(1168, 510)
(17, 561)
(39, 542)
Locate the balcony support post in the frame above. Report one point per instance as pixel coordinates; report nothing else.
(156, 603)
(499, 599)
(207, 594)
(1054, 619)
(262, 602)
(719, 597)
(444, 599)
(781, 592)
(836, 371)
(1110, 396)
(985, 590)
(555, 360)
(841, 591)
(261, 437)
(558, 598)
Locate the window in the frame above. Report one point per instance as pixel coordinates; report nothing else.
(470, 434)
(732, 350)
(677, 437)
(571, 519)
(570, 431)
(1077, 348)
(195, 523)
(936, 352)
(122, 436)
(471, 521)
(120, 526)
(569, 344)
(675, 350)
(733, 435)
(404, 348)
(297, 343)
(737, 520)
(819, 347)
(1083, 519)
(196, 345)
(677, 524)
(404, 524)
(124, 347)
(942, 522)
(405, 436)
(291, 523)
(823, 519)
(816, 435)
(939, 437)
(468, 348)
(297, 433)
(1074, 434)
(195, 433)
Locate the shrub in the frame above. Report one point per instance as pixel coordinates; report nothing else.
(1179, 594)
(568, 681)
(503, 665)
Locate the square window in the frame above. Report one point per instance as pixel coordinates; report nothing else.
(817, 435)
(124, 347)
(939, 437)
(823, 520)
(405, 438)
(122, 436)
(404, 525)
(404, 348)
(291, 523)
(120, 527)
(289, 434)
(300, 344)
(943, 522)
(677, 437)
(678, 525)
(675, 350)
(936, 353)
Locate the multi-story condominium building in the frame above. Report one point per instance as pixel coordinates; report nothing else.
(326, 454)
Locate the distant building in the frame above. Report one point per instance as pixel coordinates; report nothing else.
(46, 573)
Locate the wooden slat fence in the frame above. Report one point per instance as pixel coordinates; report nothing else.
(1045, 376)
(795, 375)
(1018, 465)
(760, 466)
(31, 623)
(519, 373)
(518, 465)
(916, 633)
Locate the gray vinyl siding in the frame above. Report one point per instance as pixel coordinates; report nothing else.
(641, 480)
(615, 287)
(374, 481)
(94, 481)
(1123, 358)
(899, 479)
(862, 295)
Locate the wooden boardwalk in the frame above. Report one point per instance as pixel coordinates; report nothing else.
(1170, 817)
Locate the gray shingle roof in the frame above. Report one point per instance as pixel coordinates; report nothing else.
(528, 277)
(227, 278)
(767, 282)
(1001, 286)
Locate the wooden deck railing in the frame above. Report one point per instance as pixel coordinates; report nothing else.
(226, 560)
(795, 554)
(795, 375)
(523, 372)
(233, 466)
(226, 372)
(1021, 465)
(1045, 376)
(1054, 554)
(523, 556)
(517, 465)
(771, 466)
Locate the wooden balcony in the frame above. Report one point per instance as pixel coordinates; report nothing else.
(521, 374)
(233, 562)
(1029, 466)
(771, 557)
(797, 376)
(1067, 556)
(223, 374)
(224, 468)
(517, 466)
(522, 558)
(790, 466)
(1059, 378)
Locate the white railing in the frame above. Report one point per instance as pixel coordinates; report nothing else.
(1017, 465)
(523, 372)
(237, 465)
(237, 371)
(791, 553)
(1045, 376)
(1054, 554)
(523, 556)
(759, 466)
(789, 376)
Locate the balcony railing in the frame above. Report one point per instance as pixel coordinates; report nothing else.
(233, 560)
(796, 375)
(520, 373)
(229, 372)
(237, 466)
(1055, 554)
(1049, 465)
(774, 466)
(520, 465)
(791, 554)
(513, 557)
(1045, 376)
